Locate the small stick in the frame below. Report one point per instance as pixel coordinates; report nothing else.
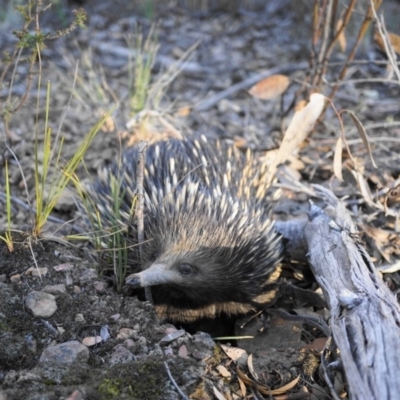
(139, 209)
(183, 395)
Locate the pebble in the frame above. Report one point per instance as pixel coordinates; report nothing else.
(172, 336)
(33, 271)
(55, 289)
(121, 355)
(99, 286)
(88, 275)
(90, 341)
(65, 353)
(15, 278)
(126, 333)
(75, 395)
(41, 304)
(183, 351)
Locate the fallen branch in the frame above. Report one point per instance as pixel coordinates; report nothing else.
(365, 315)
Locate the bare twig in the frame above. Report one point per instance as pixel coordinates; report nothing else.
(390, 52)
(375, 4)
(183, 395)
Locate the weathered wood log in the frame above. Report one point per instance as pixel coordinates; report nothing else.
(365, 315)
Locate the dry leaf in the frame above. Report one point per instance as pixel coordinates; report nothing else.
(394, 40)
(242, 387)
(218, 394)
(363, 134)
(270, 87)
(365, 190)
(234, 353)
(251, 367)
(341, 38)
(223, 371)
(382, 240)
(264, 389)
(285, 388)
(301, 125)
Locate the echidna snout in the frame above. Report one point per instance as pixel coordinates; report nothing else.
(157, 274)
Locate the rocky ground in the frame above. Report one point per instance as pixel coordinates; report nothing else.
(65, 332)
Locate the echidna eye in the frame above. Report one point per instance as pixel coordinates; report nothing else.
(185, 269)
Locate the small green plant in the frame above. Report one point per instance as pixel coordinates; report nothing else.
(111, 241)
(48, 192)
(7, 238)
(140, 75)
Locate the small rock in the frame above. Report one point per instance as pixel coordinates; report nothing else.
(33, 271)
(128, 343)
(41, 304)
(204, 339)
(105, 333)
(168, 351)
(55, 289)
(75, 395)
(68, 279)
(63, 267)
(65, 353)
(3, 277)
(79, 318)
(157, 351)
(60, 330)
(89, 275)
(99, 286)
(126, 333)
(92, 340)
(121, 355)
(169, 328)
(183, 352)
(15, 278)
(201, 355)
(172, 336)
(142, 340)
(28, 376)
(77, 289)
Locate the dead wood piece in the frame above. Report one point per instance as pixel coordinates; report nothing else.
(365, 315)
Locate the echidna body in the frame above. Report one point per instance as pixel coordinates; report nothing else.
(209, 246)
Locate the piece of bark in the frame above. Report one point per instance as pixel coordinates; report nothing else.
(365, 315)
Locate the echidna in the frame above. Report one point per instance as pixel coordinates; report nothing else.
(210, 246)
